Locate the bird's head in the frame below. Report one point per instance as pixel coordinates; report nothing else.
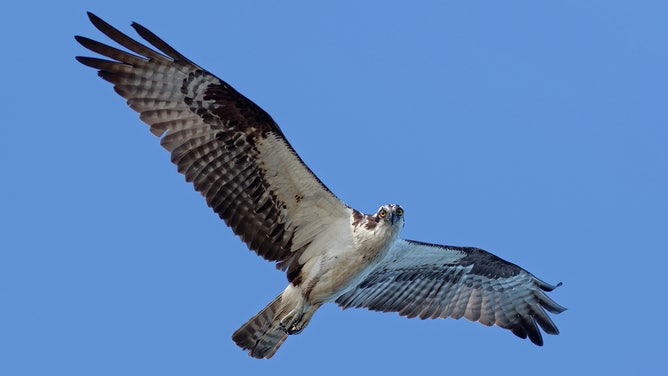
(391, 214)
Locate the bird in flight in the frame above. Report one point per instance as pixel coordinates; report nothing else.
(236, 156)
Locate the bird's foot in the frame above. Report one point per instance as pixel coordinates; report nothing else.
(292, 324)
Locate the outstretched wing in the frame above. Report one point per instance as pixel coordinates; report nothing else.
(229, 148)
(428, 281)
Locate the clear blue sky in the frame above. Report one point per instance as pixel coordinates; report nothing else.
(536, 131)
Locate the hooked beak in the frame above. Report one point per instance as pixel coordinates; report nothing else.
(394, 218)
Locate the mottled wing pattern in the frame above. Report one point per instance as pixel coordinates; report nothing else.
(229, 148)
(428, 281)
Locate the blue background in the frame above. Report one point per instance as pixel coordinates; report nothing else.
(535, 130)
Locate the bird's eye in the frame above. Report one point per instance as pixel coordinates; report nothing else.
(400, 211)
(382, 213)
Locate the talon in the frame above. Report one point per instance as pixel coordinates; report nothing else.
(294, 329)
(290, 324)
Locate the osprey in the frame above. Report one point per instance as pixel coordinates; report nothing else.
(237, 157)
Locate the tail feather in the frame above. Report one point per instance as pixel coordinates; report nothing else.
(262, 335)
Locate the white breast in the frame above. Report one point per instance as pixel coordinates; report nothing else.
(344, 258)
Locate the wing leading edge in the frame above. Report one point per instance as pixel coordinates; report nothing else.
(230, 149)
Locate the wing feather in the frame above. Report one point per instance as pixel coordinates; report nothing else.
(428, 281)
(230, 149)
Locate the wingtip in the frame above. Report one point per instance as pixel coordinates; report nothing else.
(92, 17)
(139, 28)
(100, 24)
(80, 39)
(547, 286)
(87, 61)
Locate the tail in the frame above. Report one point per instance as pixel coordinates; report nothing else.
(262, 334)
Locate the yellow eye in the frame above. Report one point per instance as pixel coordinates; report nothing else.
(399, 211)
(382, 213)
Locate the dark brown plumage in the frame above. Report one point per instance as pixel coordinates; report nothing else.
(213, 134)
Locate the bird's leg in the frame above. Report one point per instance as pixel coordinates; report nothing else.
(302, 322)
(294, 303)
(302, 309)
(295, 321)
(292, 319)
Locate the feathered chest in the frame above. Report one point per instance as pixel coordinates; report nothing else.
(372, 237)
(338, 269)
